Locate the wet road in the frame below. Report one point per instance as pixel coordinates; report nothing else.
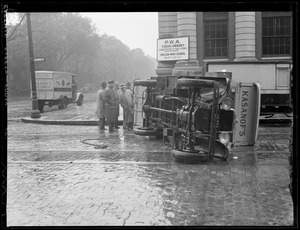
(56, 179)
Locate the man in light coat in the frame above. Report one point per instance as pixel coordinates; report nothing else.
(128, 87)
(101, 106)
(122, 86)
(126, 100)
(111, 98)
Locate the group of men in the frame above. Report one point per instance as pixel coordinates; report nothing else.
(108, 101)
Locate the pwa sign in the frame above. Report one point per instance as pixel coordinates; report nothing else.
(171, 49)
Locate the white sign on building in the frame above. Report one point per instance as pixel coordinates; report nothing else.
(171, 49)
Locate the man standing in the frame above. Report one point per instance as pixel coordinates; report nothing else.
(122, 86)
(126, 100)
(101, 106)
(128, 86)
(116, 89)
(110, 98)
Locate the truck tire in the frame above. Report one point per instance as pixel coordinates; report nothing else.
(185, 156)
(80, 100)
(66, 102)
(41, 105)
(193, 83)
(144, 131)
(61, 104)
(145, 83)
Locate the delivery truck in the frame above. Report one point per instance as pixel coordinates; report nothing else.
(56, 88)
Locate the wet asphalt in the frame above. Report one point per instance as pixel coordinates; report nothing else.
(63, 175)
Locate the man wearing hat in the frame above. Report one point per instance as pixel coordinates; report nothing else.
(128, 86)
(122, 87)
(126, 100)
(101, 106)
(110, 98)
(117, 92)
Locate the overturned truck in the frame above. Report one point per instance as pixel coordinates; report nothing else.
(196, 114)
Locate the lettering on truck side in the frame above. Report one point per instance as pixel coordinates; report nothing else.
(244, 108)
(62, 81)
(44, 84)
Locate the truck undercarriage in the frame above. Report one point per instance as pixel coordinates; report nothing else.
(194, 114)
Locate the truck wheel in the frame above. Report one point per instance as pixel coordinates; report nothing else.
(145, 83)
(66, 101)
(41, 105)
(193, 83)
(144, 131)
(80, 100)
(185, 156)
(61, 104)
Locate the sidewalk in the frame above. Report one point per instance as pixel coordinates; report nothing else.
(73, 114)
(85, 114)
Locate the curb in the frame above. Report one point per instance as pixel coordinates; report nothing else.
(64, 122)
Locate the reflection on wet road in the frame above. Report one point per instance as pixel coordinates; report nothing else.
(55, 179)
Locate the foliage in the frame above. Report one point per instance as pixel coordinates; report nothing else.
(70, 43)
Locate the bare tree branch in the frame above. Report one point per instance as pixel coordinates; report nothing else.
(17, 36)
(16, 49)
(9, 37)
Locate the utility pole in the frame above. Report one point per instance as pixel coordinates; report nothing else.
(35, 112)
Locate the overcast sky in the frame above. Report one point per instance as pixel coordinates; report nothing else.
(136, 30)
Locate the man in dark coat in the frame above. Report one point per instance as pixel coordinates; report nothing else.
(110, 98)
(117, 92)
(128, 86)
(101, 106)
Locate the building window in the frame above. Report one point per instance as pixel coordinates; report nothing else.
(276, 35)
(215, 35)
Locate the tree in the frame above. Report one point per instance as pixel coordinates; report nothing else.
(70, 43)
(13, 24)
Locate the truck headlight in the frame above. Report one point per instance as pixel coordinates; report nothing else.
(224, 138)
(227, 103)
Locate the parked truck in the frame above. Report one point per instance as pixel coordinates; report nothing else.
(274, 77)
(56, 88)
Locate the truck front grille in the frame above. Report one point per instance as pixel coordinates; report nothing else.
(226, 120)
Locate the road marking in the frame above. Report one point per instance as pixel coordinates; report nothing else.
(92, 151)
(91, 162)
(231, 163)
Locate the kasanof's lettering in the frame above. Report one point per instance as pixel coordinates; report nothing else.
(244, 108)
